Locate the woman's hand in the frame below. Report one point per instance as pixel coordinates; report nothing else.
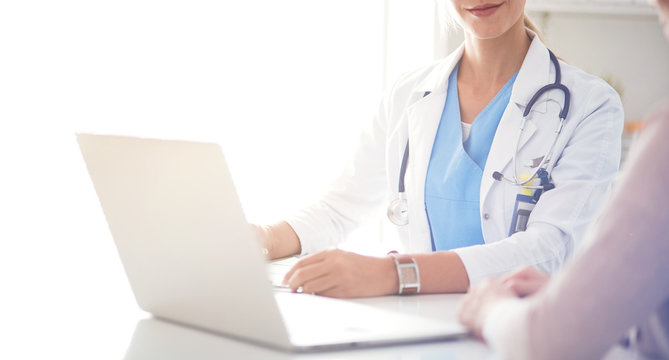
(526, 281)
(338, 273)
(477, 305)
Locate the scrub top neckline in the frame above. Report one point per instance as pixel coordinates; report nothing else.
(508, 86)
(453, 179)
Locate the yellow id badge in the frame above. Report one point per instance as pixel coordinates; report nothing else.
(525, 202)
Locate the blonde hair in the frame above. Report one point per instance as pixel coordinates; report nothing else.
(532, 26)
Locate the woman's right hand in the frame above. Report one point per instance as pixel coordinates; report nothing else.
(278, 240)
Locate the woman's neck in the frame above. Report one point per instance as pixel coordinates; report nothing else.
(494, 61)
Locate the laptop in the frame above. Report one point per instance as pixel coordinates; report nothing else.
(191, 257)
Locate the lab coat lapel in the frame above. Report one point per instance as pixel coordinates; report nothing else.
(504, 145)
(422, 122)
(424, 115)
(534, 73)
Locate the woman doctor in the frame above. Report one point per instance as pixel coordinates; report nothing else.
(455, 123)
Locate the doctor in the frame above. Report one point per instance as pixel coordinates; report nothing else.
(455, 124)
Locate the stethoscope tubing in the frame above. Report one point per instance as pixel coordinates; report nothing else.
(397, 211)
(403, 168)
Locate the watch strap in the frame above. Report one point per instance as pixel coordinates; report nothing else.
(407, 273)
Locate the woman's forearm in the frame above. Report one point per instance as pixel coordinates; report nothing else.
(281, 240)
(441, 272)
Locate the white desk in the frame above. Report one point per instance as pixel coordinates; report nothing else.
(74, 319)
(157, 339)
(90, 327)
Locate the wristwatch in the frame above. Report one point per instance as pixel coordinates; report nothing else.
(407, 273)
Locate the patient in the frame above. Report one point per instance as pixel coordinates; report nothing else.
(616, 288)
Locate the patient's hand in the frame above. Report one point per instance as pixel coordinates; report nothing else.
(526, 281)
(478, 304)
(338, 273)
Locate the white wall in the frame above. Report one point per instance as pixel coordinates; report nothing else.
(410, 37)
(630, 50)
(283, 87)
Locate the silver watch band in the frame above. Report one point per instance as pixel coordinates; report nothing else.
(407, 273)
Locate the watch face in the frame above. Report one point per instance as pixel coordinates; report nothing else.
(409, 276)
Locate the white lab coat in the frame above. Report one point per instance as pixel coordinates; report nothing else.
(587, 152)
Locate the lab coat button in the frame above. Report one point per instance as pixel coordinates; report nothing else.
(486, 216)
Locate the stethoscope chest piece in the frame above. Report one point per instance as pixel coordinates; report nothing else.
(398, 211)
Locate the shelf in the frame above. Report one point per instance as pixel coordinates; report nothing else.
(592, 7)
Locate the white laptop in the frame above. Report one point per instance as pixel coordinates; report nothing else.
(192, 258)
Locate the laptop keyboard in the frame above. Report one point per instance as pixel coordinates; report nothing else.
(278, 268)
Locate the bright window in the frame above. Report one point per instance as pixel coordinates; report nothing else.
(284, 86)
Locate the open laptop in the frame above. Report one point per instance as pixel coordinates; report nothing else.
(192, 258)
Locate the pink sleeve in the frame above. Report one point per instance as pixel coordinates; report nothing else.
(617, 280)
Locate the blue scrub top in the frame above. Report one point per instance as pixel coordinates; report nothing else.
(453, 181)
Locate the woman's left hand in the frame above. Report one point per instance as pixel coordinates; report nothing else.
(342, 274)
(477, 305)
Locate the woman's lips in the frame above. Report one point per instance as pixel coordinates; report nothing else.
(484, 10)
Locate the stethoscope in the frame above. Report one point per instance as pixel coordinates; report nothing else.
(398, 210)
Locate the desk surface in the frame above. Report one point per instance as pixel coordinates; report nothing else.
(154, 338)
(90, 329)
